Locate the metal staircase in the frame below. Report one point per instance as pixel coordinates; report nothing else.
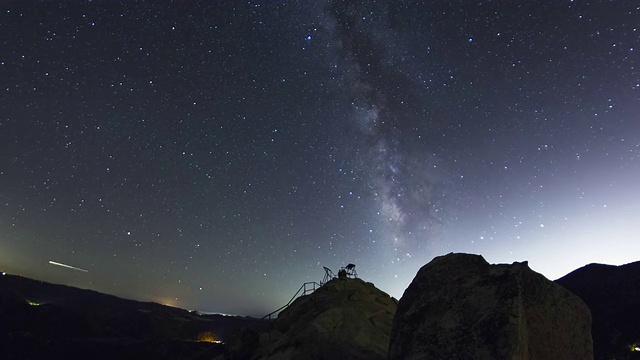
(306, 289)
(311, 286)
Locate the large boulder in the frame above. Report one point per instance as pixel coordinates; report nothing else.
(461, 307)
(613, 296)
(344, 319)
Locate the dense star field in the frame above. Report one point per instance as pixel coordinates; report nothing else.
(214, 155)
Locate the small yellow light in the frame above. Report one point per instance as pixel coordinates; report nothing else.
(208, 336)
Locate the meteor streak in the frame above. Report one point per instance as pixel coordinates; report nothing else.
(67, 266)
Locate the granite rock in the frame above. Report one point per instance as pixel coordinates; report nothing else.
(461, 307)
(344, 319)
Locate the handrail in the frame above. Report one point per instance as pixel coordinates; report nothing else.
(305, 290)
(302, 288)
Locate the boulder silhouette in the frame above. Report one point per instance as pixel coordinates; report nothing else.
(344, 319)
(461, 307)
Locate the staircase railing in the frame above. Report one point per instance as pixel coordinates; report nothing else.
(306, 289)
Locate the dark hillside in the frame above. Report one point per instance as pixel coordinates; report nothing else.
(62, 321)
(613, 296)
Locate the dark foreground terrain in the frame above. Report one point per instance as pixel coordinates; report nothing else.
(42, 320)
(39, 320)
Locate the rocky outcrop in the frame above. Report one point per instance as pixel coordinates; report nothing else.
(344, 319)
(613, 295)
(461, 307)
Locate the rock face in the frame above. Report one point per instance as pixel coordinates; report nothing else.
(343, 319)
(461, 307)
(613, 295)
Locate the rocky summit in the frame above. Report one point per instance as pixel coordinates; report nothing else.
(344, 319)
(461, 307)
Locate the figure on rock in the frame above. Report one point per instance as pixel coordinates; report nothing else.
(342, 274)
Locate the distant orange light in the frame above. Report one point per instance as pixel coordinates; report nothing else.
(166, 301)
(208, 336)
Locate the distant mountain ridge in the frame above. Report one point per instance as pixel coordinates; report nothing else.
(38, 314)
(612, 293)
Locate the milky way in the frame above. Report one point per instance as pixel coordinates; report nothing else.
(391, 120)
(215, 155)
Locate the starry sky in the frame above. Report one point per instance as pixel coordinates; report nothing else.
(214, 155)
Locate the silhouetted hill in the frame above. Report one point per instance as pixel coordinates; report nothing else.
(346, 318)
(612, 293)
(66, 322)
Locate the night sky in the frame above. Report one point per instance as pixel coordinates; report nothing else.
(214, 155)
